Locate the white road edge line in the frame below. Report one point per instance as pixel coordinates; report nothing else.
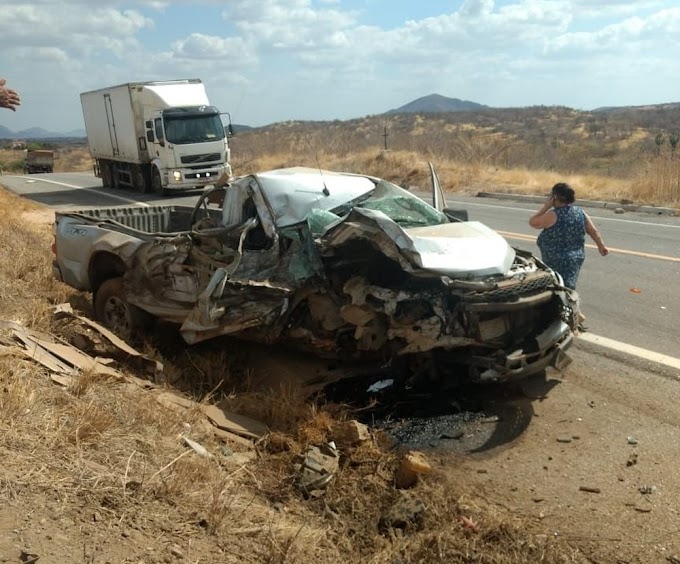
(98, 192)
(639, 352)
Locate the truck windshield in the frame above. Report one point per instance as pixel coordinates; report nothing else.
(193, 129)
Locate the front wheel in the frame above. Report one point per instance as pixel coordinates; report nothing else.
(157, 183)
(113, 310)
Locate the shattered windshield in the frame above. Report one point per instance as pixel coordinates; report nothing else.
(401, 206)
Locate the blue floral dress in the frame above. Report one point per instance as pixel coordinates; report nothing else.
(562, 245)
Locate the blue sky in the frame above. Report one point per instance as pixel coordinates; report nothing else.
(268, 61)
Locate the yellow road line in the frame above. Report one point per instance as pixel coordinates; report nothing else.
(524, 237)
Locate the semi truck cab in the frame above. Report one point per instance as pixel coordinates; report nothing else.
(188, 147)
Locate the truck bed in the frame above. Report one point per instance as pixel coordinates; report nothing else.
(149, 220)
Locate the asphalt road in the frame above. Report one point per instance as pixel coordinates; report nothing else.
(630, 296)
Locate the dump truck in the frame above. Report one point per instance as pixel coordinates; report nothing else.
(159, 136)
(39, 161)
(347, 266)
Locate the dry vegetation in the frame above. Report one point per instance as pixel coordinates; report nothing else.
(604, 155)
(96, 472)
(622, 154)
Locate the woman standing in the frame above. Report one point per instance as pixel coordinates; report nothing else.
(562, 241)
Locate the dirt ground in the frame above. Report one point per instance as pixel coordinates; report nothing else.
(596, 463)
(577, 467)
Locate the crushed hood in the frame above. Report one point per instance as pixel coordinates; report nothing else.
(459, 250)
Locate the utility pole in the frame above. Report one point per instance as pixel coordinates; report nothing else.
(385, 135)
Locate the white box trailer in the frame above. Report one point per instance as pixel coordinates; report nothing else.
(158, 136)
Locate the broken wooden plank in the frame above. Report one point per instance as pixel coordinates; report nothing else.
(228, 429)
(235, 423)
(150, 364)
(41, 355)
(78, 359)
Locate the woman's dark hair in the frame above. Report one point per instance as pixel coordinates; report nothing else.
(562, 191)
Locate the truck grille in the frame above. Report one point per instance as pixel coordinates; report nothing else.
(209, 157)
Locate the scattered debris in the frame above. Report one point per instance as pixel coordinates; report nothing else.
(406, 513)
(647, 490)
(317, 468)
(632, 459)
(469, 523)
(563, 439)
(28, 558)
(198, 448)
(380, 385)
(619, 210)
(411, 466)
(350, 433)
(455, 435)
(233, 424)
(636, 290)
(491, 419)
(643, 509)
(632, 441)
(590, 489)
(62, 360)
(151, 365)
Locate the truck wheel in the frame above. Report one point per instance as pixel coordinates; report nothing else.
(105, 171)
(157, 183)
(113, 310)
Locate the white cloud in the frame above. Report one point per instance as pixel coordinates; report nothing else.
(232, 51)
(281, 59)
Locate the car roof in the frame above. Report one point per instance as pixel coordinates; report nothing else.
(294, 192)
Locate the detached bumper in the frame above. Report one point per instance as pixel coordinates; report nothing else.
(552, 346)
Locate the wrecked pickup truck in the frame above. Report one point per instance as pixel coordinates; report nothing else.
(346, 265)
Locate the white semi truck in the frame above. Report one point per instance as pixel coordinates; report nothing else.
(156, 136)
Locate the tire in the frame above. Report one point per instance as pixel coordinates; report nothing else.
(112, 309)
(142, 180)
(115, 179)
(157, 183)
(105, 171)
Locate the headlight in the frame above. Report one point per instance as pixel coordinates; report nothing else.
(177, 175)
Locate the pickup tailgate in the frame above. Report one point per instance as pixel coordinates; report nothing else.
(79, 234)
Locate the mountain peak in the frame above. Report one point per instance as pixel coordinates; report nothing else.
(436, 103)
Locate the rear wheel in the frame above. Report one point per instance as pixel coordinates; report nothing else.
(113, 310)
(105, 171)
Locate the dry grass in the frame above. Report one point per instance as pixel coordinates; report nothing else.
(524, 151)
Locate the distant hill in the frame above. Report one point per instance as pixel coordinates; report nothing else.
(647, 107)
(436, 103)
(39, 133)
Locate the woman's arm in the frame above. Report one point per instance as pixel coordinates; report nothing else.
(595, 236)
(544, 217)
